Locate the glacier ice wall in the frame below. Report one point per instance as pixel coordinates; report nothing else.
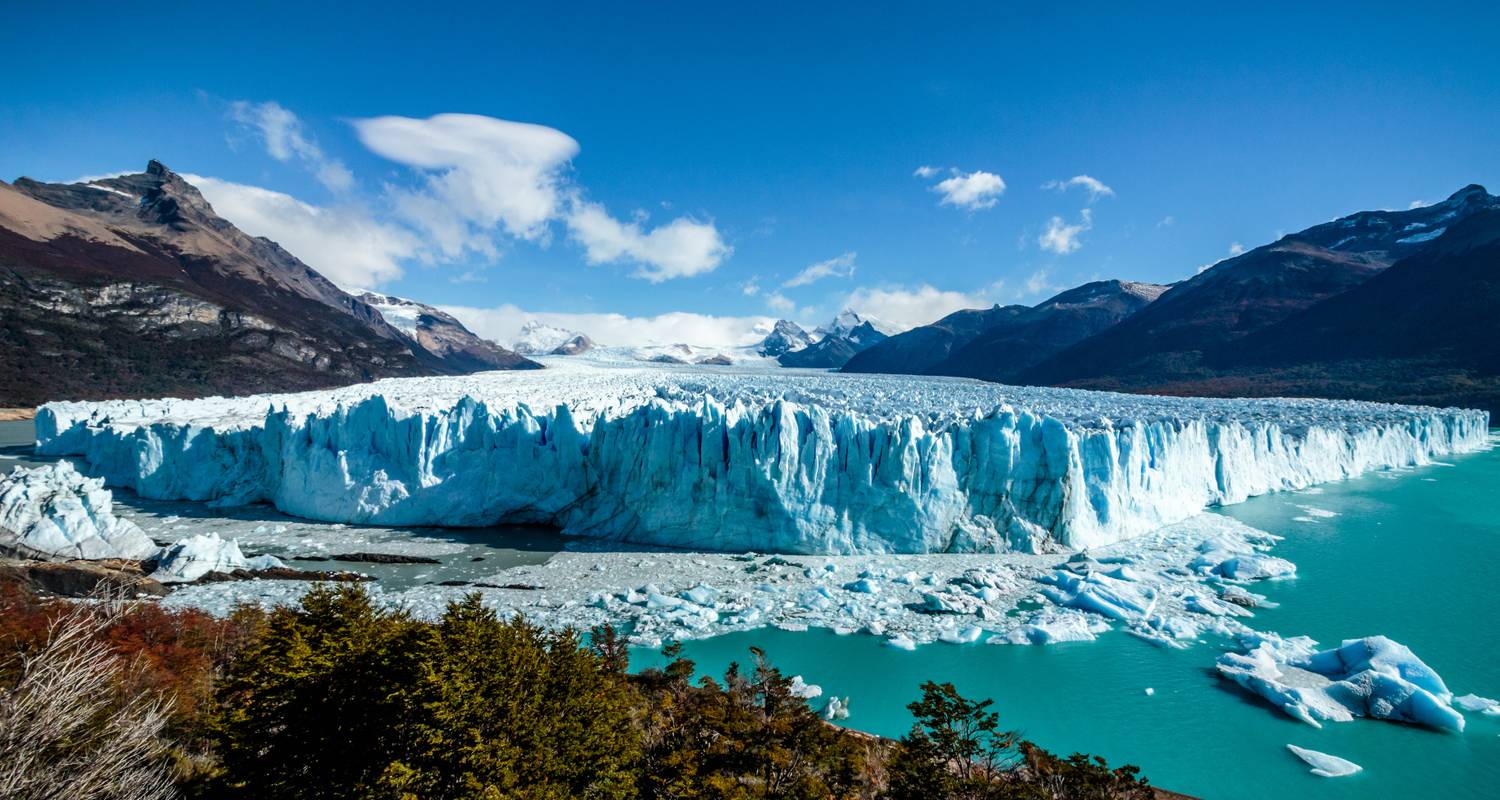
(806, 463)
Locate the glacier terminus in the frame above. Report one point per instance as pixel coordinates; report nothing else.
(746, 459)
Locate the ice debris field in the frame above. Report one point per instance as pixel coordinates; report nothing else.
(745, 460)
(913, 509)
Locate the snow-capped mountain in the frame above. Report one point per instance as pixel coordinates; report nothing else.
(838, 341)
(441, 334)
(540, 339)
(133, 285)
(785, 337)
(851, 325)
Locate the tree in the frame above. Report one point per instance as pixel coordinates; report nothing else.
(341, 699)
(955, 749)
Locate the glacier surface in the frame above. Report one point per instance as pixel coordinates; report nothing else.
(728, 459)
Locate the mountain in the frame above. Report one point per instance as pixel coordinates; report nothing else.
(1175, 342)
(132, 286)
(540, 339)
(999, 343)
(1423, 331)
(848, 334)
(785, 337)
(850, 324)
(444, 336)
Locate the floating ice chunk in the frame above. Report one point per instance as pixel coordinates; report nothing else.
(1324, 765)
(804, 690)
(702, 594)
(1055, 625)
(901, 642)
(1150, 691)
(1371, 677)
(836, 709)
(949, 603)
(966, 635)
(863, 586)
(198, 555)
(1481, 705)
(54, 511)
(1101, 594)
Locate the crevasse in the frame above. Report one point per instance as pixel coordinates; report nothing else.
(750, 461)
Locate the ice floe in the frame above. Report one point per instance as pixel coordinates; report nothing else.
(1324, 765)
(1370, 677)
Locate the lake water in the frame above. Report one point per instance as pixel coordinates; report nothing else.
(1411, 554)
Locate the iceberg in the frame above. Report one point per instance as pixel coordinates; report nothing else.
(200, 554)
(1370, 677)
(747, 460)
(1324, 765)
(54, 511)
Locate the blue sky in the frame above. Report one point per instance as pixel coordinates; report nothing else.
(680, 166)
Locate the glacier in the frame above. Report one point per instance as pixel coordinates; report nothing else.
(739, 459)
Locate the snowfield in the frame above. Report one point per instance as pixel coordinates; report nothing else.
(735, 459)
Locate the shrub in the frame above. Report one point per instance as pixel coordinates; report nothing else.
(74, 725)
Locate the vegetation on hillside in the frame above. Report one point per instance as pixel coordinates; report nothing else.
(341, 698)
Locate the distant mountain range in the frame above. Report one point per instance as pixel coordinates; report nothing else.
(132, 286)
(1383, 305)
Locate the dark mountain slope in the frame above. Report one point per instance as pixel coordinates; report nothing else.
(132, 286)
(916, 351)
(1425, 330)
(999, 343)
(1173, 342)
(1004, 352)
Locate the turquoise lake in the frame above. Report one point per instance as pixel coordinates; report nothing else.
(1410, 554)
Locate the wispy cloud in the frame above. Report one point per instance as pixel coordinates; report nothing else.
(285, 139)
(925, 171)
(349, 247)
(1095, 187)
(837, 267)
(1063, 238)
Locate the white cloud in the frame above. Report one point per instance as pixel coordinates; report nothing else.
(282, 133)
(345, 245)
(1037, 284)
(837, 267)
(1092, 185)
(925, 171)
(1062, 238)
(502, 323)
(780, 303)
(678, 249)
(1167, 221)
(481, 172)
(908, 308)
(1417, 204)
(971, 191)
(1235, 248)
